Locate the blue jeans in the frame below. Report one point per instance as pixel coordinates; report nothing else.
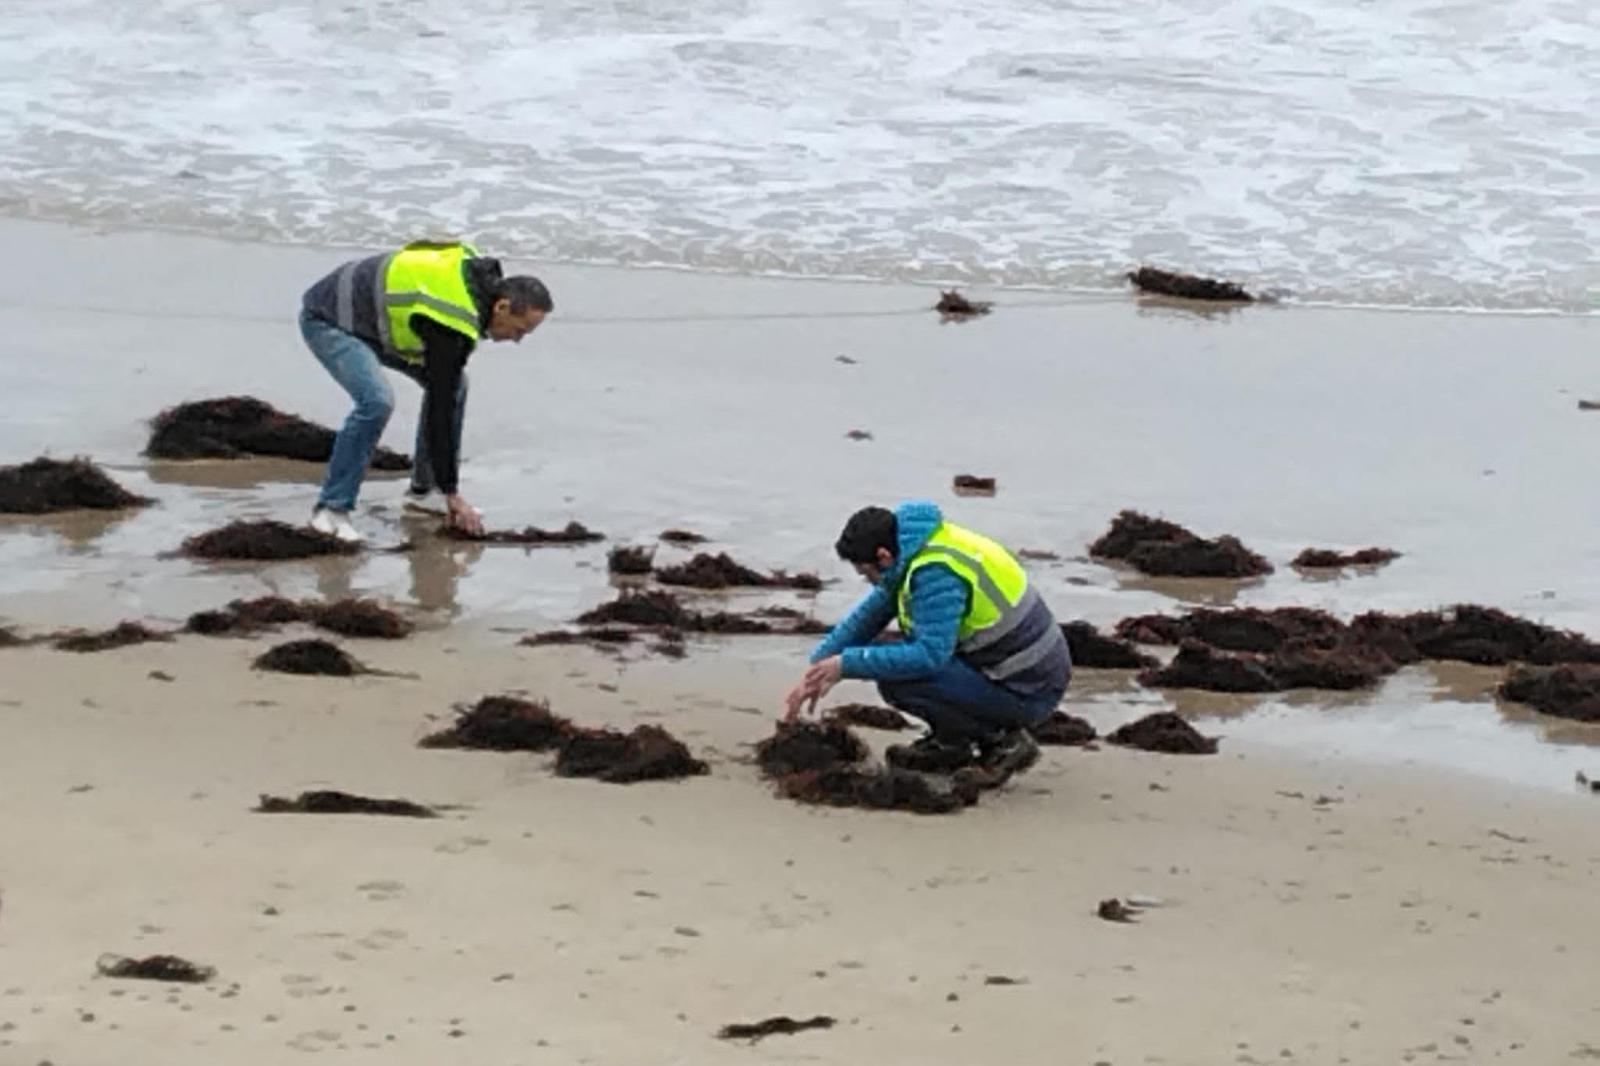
(959, 703)
(357, 367)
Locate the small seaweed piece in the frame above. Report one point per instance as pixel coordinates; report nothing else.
(867, 716)
(329, 801)
(155, 968)
(1166, 732)
(652, 608)
(571, 533)
(1063, 730)
(49, 486)
(800, 745)
(1327, 559)
(309, 657)
(782, 1025)
(265, 541)
(121, 636)
(626, 559)
(503, 723)
(954, 305)
(1187, 286)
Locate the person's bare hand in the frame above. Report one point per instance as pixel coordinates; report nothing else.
(464, 516)
(821, 677)
(795, 701)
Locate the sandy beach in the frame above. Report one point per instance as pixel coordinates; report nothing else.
(1404, 874)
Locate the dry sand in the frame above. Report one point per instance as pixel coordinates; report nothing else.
(1415, 915)
(1313, 913)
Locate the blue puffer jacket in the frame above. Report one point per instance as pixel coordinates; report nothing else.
(939, 601)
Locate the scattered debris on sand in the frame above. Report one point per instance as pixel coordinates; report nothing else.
(1088, 648)
(1328, 559)
(121, 636)
(648, 753)
(235, 427)
(310, 657)
(571, 533)
(858, 435)
(866, 716)
(630, 560)
(682, 536)
(155, 968)
(1563, 691)
(779, 1026)
(51, 486)
(264, 541)
(1114, 910)
(1063, 730)
(1585, 781)
(972, 485)
(1160, 548)
(1038, 555)
(1187, 286)
(953, 305)
(1589, 405)
(800, 745)
(1166, 732)
(333, 802)
(503, 723)
(721, 571)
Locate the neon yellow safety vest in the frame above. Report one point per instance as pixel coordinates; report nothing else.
(998, 584)
(429, 279)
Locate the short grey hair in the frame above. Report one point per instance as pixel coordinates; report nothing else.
(524, 293)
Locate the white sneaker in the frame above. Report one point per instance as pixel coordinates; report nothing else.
(431, 502)
(336, 524)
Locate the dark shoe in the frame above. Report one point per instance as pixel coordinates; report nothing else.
(1009, 753)
(930, 755)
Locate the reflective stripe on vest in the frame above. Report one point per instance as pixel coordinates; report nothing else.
(1001, 600)
(427, 279)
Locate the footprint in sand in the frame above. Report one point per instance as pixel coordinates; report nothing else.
(380, 891)
(305, 985)
(315, 1040)
(461, 845)
(383, 939)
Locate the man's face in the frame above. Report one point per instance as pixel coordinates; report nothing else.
(504, 325)
(873, 572)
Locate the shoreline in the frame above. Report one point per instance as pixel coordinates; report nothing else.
(1069, 294)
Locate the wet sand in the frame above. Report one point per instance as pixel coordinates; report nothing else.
(1371, 926)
